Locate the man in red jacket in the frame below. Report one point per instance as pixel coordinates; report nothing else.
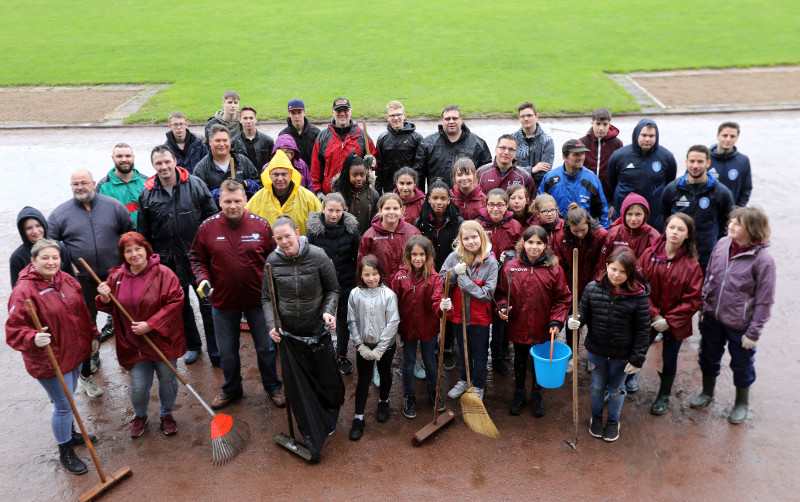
(228, 256)
(332, 145)
(602, 140)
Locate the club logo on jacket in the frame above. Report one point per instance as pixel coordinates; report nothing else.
(733, 174)
(556, 180)
(714, 174)
(704, 202)
(656, 166)
(630, 166)
(251, 238)
(42, 292)
(682, 202)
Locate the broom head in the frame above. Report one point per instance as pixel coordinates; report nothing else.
(475, 415)
(229, 437)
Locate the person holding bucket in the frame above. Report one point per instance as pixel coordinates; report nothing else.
(617, 311)
(541, 302)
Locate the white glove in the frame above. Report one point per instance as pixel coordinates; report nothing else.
(460, 268)
(201, 286)
(748, 343)
(377, 353)
(446, 304)
(573, 323)
(95, 345)
(321, 196)
(41, 339)
(659, 324)
(365, 352)
(631, 369)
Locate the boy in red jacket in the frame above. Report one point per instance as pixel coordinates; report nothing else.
(602, 141)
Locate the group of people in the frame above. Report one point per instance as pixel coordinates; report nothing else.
(361, 240)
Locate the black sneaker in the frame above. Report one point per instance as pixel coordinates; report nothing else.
(611, 431)
(449, 360)
(383, 411)
(596, 427)
(409, 405)
(108, 330)
(537, 405)
(499, 366)
(357, 429)
(515, 408)
(345, 366)
(432, 399)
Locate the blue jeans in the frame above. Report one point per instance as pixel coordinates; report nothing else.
(61, 420)
(478, 339)
(428, 350)
(714, 336)
(141, 376)
(608, 375)
(227, 329)
(193, 341)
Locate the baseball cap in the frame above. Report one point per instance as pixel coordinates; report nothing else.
(296, 104)
(341, 103)
(573, 145)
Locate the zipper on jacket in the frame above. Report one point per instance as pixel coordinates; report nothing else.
(744, 312)
(724, 278)
(599, 149)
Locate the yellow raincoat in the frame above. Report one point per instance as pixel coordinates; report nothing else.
(300, 203)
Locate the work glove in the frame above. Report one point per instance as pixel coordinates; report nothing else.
(631, 369)
(574, 323)
(369, 162)
(320, 196)
(215, 195)
(41, 339)
(365, 352)
(748, 343)
(201, 287)
(460, 268)
(659, 324)
(95, 345)
(250, 186)
(507, 256)
(377, 353)
(446, 304)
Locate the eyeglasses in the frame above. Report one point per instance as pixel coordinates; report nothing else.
(178, 125)
(395, 115)
(77, 184)
(451, 119)
(506, 149)
(549, 211)
(341, 110)
(499, 205)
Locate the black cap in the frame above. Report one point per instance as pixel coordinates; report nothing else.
(573, 145)
(341, 103)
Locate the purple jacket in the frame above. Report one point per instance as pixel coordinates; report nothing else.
(739, 292)
(287, 141)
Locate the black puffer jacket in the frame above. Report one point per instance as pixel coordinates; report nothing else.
(619, 326)
(443, 236)
(258, 151)
(340, 243)
(396, 149)
(170, 223)
(437, 154)
(305, 139)
(21, 257)
(306, 286)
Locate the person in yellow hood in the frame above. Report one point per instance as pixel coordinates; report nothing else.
(283, 193)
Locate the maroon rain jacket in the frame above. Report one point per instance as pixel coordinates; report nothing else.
(418, 303)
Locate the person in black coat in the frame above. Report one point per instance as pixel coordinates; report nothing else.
(617, 311)
(336, 232)
(397, 147)
(32, 226)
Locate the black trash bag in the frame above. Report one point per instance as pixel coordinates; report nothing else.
(313, 386)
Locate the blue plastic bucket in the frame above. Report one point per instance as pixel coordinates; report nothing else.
(550, 374)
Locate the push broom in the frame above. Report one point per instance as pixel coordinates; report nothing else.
(106, 482)
(229, 436)
(475, 415)
(439, 421)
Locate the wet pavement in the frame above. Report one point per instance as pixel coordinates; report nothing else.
(685, 454)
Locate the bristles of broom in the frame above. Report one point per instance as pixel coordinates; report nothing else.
(475, 415)
(226, 447)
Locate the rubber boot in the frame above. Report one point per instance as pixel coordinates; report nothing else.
(661, 403)
(707, 395)
(70, 461)
(515, 408)
(739, 412)
(538, 407)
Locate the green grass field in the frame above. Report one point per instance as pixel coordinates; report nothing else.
(486, 57)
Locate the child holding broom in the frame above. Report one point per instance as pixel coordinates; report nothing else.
(372, 318)
(419, 291)
(541, 301)
(476, 269)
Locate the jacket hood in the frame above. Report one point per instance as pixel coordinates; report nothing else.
(506, 217)
(464, 133)
(303, 249)
(316, 223)
(723, 156)
(377, 225)
(408, 127)
(475, 194)
(631, 199)
(280, 160)
(635, 136)
(451, 212)
(286, 141)
(684, 180)
(183, 177)
(221, 112)
(659, 250)
(613, 132)
(190, 138)
(418, 195)
(25, 213)
(152, 261)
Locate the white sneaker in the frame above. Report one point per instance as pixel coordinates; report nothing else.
(89, 387)
(459, 388)
(478, 392)
(569, 366)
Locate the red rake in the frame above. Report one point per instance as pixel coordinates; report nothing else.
(229, 436)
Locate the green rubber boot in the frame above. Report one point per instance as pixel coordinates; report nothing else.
(707, 395)
(739, 412)
(661, 403)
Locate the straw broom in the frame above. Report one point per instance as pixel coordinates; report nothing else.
(475, 415)
(229, 436)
